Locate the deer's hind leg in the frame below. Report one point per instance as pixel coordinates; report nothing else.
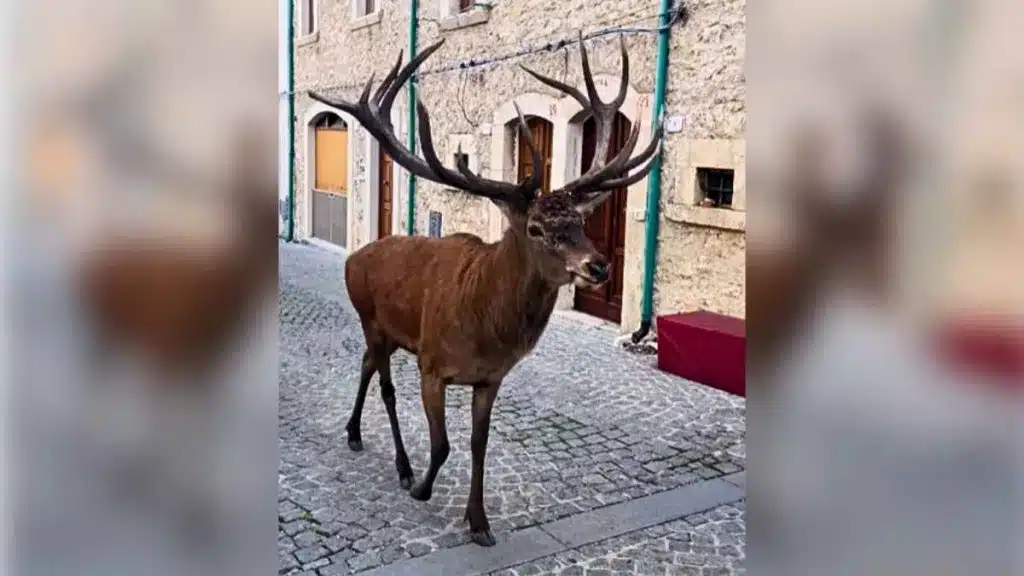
(382, 359)
(355, 441)
(376, 344)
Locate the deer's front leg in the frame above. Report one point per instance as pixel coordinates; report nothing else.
(483, 399)
(433, 391)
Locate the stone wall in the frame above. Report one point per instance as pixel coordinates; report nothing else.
(701, 250)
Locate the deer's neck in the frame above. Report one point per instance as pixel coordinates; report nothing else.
(524, 297)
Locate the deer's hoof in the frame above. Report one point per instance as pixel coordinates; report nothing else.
(355, 445)
(405, 482)
(421, 492)
(483, 537)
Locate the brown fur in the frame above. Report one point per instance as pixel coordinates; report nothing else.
(504, 301)
(471, 311)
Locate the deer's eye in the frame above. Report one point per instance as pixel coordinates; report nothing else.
(534, 231)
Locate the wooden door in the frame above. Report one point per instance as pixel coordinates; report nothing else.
(606, 228)
(542, 136)
(386, 192)
(331, 161)
(330, 180)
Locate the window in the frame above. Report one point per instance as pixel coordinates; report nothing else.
(461, 157)
(456, 14)
(715, 186)
(365, 7)
(307, 15)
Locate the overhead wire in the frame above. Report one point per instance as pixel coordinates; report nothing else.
(677, 12)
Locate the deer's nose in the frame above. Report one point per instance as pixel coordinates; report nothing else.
(598, 270)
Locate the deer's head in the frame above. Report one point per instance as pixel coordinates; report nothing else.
(552, 224)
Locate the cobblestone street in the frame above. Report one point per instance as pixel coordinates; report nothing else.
(597, 462)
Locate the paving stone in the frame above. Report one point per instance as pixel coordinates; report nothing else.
(364, 561)
(286, 561)
(311, 553)
(579, 425)
(341, 569)
(312, 566)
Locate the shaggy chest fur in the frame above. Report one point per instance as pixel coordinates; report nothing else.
(479, 326)
(470, 311)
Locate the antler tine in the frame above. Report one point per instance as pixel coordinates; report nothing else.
(465, 179)
(364, 98)
(388, 80)
(561, 87)
(534, 182)
(626, 181)
(339, 104)
(384, 107)
(620, 98)
(604, 175)
(375, 116)
(652, 148)
(382, 132)
(616, 166)
(588, 76)
(430, 153)
(587, 200)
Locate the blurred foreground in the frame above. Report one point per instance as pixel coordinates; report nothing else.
(143, 259)
(885, 299)
(886, 289)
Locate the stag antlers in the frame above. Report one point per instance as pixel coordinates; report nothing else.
(602, 177)
(587, 191)
(375, 115)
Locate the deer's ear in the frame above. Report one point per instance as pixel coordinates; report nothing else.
(586, 205)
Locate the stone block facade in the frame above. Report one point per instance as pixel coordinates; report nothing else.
(700, 262)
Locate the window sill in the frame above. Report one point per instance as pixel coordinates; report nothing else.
(465, 20)
(722, 218)
(307, 39)
(365, 21)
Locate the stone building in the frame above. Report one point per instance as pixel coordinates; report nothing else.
(348, 194)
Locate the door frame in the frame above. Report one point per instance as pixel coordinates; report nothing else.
(619, 223)
(371, 199)
(636, 108)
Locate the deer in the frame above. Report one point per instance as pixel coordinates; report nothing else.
(470, 310)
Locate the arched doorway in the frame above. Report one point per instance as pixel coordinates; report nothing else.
(331, 179)
(542, 131)
(606, 228)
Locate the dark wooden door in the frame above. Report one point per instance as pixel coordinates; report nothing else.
(384, 214)
(542, 136)
(606, 228)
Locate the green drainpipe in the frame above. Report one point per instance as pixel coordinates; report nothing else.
(654, 188)
(410, 225)
(291, 121)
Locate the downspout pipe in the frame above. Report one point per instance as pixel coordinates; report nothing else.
(291, 121)
(654, 179)
(410, 209)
